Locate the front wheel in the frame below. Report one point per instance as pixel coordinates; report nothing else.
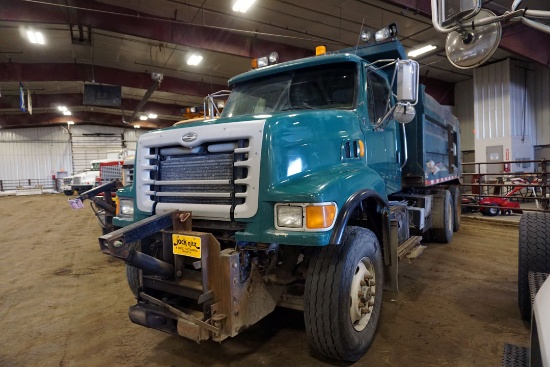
(133, 275)
(343, 295)
(68, 192)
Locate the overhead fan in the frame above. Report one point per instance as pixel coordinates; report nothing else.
(468, 47)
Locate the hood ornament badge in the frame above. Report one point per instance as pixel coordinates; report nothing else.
(189, 137)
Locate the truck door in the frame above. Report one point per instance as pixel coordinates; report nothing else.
(382, 145)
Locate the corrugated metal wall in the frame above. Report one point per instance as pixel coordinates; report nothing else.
(34, 153)
(39, 153)
(131, 138)
(91, 142)
(522, 101)
(492, 100)
(464, 111)
(542, 103)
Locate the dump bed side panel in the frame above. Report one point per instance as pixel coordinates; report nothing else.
(433, 142)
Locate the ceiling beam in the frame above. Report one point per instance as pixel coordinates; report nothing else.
(51, 101)
(109, 118)
(121, 20)
(39, 72)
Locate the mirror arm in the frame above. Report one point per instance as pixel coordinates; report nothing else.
(383, 120)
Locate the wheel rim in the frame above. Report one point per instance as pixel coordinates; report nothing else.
(363, 290)
(493, 211)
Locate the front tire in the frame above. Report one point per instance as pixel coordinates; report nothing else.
(343, 295)
(534, 255)
(133, 275)
(68, 192)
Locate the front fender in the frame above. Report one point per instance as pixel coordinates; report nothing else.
(333, 184)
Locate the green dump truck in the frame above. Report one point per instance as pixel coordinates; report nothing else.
(300, 195)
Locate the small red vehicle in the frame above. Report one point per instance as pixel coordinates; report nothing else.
(492, 206)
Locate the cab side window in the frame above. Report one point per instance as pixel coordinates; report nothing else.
(377, 94)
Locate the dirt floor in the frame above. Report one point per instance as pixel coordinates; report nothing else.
(63, 303)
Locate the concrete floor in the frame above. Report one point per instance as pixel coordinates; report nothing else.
(63, 303)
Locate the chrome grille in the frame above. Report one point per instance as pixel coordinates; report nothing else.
(197, 179)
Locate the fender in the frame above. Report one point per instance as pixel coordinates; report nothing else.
(380, 226)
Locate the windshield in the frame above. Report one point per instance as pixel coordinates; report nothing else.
(318, 87)
(94, 167)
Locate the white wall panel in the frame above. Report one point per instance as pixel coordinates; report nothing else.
(542, 104)
(491, 100)
(93, 142)
(522, 101)
(34, 153)
(464, 111)
(131, 137)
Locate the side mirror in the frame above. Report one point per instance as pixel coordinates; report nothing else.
(453, 11)
(407, 81)
(407, 91)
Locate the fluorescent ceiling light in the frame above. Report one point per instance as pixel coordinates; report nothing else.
(421, 50)
(67, 113)
(143, 117)
(152, 115)
(35, 37)
(70, 122)
(62, 108)
(242, 5)
(194, 60)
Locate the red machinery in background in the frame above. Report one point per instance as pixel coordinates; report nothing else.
(491, 206)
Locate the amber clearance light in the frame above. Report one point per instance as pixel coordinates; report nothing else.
(320, 216)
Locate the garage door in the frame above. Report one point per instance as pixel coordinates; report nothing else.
(86, 148)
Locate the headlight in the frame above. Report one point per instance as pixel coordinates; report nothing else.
(290, 216)
(126, 207)
(305, 216)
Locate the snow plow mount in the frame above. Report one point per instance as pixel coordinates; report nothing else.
(191, 287)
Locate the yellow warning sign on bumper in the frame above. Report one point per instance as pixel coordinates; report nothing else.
(186, 245)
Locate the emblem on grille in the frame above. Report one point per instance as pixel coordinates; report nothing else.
(189, 137)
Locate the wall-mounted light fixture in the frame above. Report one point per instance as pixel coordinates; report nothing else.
(143, 117)
(152, 115)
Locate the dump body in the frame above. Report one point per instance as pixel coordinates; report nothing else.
(433, 145)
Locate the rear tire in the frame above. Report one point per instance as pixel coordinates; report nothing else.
(68, 192)
(442, 217)
(534, 254)
(340, 322)
(133, 275)
(457, 206)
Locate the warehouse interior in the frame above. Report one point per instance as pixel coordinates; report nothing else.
(81, 81)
